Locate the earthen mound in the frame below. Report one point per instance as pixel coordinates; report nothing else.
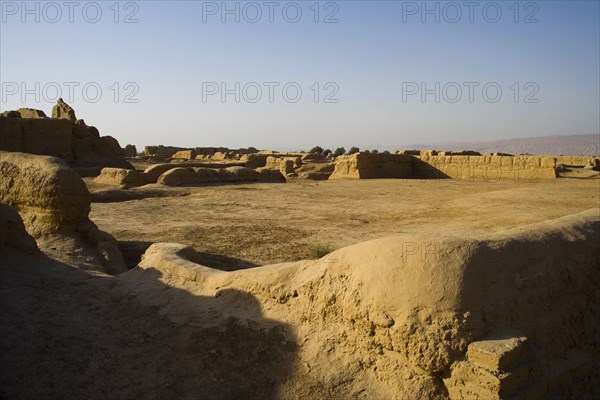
(54, 203)
(192, 176)
(119, 177)
(48, 194)
(447, 317)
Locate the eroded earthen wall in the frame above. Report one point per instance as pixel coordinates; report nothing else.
(37, 136)
(574, 161)
(370, 166)
(485, 167)
(468, 167)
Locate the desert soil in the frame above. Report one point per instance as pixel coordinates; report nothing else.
(240, 226)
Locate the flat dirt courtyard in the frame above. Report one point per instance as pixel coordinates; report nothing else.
(240, 226)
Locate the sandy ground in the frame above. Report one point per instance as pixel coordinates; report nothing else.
(239, 226)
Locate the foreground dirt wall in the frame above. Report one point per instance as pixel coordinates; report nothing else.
(485, 167)
(54, 204)
(399, 316)
(47, 193)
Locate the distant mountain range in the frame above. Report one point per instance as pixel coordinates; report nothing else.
(567, 145)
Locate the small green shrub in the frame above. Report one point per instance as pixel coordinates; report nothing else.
(319, 250)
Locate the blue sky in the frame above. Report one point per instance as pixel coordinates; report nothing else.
(370, 63)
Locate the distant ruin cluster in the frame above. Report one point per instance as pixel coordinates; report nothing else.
(62, 135)
(184, 167)
(81, 146)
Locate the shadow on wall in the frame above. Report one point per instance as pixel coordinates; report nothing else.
(67, 334)
(543, 286)
(424, 170)
(547, 292)
(133, 250)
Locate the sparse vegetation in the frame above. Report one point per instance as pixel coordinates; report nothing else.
(327, 152)
(316, 150)
(340, 151)
(318, 250)
(354, 150)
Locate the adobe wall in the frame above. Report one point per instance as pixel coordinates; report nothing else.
(81, 146)
(468, 167)
(486, 167)
(574, 161)
(370, 166)
(52, 137)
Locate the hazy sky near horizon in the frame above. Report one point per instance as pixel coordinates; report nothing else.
(291, 75)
